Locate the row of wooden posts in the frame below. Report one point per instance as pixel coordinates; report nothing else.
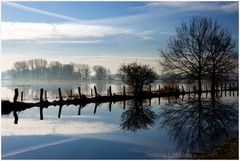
(231, 87)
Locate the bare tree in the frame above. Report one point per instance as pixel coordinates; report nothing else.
(137, 75)
(188, 55)
(83, 71)
(21, 68)
(100, 72)
(223, 59)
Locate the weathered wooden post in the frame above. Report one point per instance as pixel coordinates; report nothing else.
(183, 89)
(91, 93)
(41, 94)
(79, 92)
(124, 104)
(150, 102)
(60, 94)
(70, 93)
(15, 95)
(22, 96)
(159, 101)
(150, 90)
(124, 91)
(159, 89)
(110, 91)
(225, 89)
(45, 95)
(95, 91)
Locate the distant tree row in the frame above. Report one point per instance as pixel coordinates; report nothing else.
(41, 69)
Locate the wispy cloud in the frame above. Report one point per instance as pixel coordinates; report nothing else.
(34, 31)
(38, 11)
(196, 6)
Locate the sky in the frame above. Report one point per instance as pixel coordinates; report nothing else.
(100, 33)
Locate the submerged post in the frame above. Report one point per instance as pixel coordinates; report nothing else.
(22, 96)
(60, 94)
(41, 94)
(124, 91)
(15, 95)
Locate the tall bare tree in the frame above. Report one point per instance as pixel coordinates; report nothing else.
(223, 56)
(190, 52)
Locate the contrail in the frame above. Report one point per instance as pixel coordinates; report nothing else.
(38, 11)
(38, 147)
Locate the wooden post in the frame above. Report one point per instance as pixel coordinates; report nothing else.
(183, 89)
(221, 87)
(110, 91)
(159, 89)
(95, 91)
(159, 101)
(60, 94)
(150, 102)
(91, 93)
(124, 104)
(150, 90)
(70, 93)
(22, 96)
(79, 92)
(124, 91)
(45, 95)
(15, 95)
(41, 94)
(225, 89)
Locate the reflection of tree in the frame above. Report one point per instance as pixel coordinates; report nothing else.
(197, 124)
(137, 117)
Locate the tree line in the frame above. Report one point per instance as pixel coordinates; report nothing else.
(42, 69)
(200, 50)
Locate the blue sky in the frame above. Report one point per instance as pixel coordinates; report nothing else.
(104, 33)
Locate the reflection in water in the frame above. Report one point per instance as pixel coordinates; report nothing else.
(197, 124)
(15, 117)
(137, 117)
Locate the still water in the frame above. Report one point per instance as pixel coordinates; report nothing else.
(165, 128)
